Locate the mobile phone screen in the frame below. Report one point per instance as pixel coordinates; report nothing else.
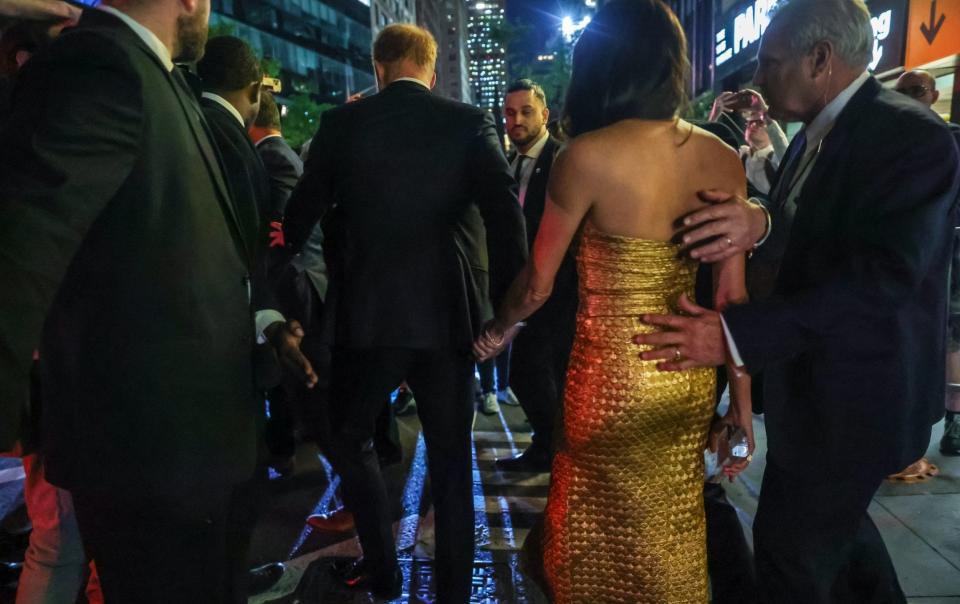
(84, 3)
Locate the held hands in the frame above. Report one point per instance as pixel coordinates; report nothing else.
(285, 339)
(728, 226)
(686, 342)
(493, 339)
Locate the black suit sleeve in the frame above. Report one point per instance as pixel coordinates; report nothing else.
(495, 192)
(902, 211)
(283, 178)
(70, 143)
(313, 195)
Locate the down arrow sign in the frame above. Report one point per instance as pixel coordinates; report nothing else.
(930, 31)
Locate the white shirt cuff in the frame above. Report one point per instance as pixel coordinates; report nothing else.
(731, 345)
(264, 319)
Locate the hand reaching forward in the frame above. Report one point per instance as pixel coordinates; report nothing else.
(285, 339)
(493, 340)
(734, 225)
(39, 9)
(685, 342)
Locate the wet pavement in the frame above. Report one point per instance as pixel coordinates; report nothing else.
(919, 522)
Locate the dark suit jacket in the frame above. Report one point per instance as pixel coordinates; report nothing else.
(415, 178)
(120, 242)
(852, 341)
(557, 317)
(285, 168)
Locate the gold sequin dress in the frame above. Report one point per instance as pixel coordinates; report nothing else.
(625, 519)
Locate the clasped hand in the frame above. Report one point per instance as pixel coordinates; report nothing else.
(493, 340)
(285, 339)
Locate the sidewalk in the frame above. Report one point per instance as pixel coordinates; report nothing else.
(920, 523)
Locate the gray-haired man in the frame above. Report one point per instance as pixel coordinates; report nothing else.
(852, 339)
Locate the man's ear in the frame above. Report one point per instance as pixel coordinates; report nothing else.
(546, 115)
(253, 91)
(433, 80)
(936, 95)
(22, 57)
(820, 59)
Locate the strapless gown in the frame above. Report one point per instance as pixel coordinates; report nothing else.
(624, 519)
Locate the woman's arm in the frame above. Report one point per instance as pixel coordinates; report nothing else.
(730, 288)
(568, 201)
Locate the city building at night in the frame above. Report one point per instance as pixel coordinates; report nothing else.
(488, 66)
(447, 21)
(323, 47)
(385, 12)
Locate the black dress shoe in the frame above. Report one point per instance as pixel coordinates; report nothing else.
(531, 460)
(264, 577)
(384, 584)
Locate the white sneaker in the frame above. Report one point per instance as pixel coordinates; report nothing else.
(507, 397)
(490, 406)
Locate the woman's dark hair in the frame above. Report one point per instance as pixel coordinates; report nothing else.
(630, 62)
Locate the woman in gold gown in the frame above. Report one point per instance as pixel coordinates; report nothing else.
(625, 518)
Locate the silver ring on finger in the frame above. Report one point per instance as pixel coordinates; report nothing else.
(729, 241)
(676, 354)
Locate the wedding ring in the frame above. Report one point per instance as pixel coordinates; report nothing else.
(749, 458)
(676, 353)
(729, 241)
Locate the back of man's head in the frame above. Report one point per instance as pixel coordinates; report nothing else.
(228, 65)
(269, 114)
(405, 50)
(844, 23)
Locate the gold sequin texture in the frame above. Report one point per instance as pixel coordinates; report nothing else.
(625, 519)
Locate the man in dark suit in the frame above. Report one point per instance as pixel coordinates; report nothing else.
(852, 339)
(125, 261)
(415, 179)
(542, 349)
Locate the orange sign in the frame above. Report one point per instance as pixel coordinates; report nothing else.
(933, 31)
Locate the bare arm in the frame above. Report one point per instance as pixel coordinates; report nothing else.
(567, 203)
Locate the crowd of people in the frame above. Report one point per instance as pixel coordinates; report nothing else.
(172, 268)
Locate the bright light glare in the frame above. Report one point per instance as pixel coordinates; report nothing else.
(569, 29)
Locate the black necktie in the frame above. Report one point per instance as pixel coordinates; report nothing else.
(519, 169)
(791, 164)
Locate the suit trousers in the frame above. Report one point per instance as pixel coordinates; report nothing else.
(815, 543)
(537, 375)
(157, 550)
(444, 385)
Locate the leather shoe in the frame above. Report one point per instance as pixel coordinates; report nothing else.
(262, 578)
(338, 521)
(385, 584)
(531, 460)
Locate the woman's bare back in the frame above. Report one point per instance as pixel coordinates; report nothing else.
(645, 175)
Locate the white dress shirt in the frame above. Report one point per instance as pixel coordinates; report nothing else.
(815, 131)
(149, 38)
(532, 155)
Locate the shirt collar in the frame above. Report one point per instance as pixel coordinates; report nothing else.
(216, 98)
(415, 80)
(537, 148)
(267, 137)
(149, 38)
(822, 124)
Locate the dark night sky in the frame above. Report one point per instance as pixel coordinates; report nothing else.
(543, 16)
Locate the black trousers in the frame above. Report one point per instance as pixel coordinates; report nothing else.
(814, 542)
(443, 383)
(157, 550)
(538, 372)
(729, 561)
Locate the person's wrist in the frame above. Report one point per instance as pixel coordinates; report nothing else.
(767, 223)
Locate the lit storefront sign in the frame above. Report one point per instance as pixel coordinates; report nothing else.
(736, 43)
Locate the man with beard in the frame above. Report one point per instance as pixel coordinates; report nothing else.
(542, 349)
(124, 262)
